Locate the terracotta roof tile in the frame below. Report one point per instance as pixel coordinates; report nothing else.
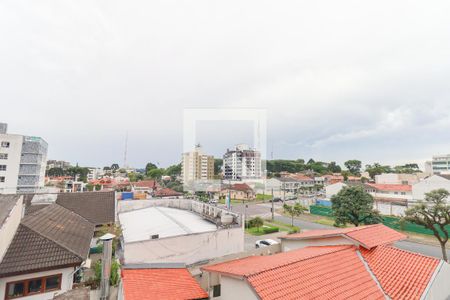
(333, 272)
(170, 284)
(146, 183)
(402, 274)
(391, 187)
(166, 192)
(368, 236)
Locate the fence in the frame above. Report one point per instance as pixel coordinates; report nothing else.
(392, 222)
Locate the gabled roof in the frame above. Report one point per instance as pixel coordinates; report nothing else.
(97, 207)
(333, 272)
(146, 183)
(7, 203)
(52, 237)
(30, 252)
(402, 274)
(166, 192)
(391, 187)
(176, 283)
(367, 236)
(239, 187)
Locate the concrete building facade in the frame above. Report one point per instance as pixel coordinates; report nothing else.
(440, 164)
(196, 165)
(22, 163)
(242, 163)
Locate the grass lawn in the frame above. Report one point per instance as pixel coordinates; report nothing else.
(283, 226)
(263, 197)
(255, 231)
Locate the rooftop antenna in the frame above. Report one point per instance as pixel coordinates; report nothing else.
(125, 152)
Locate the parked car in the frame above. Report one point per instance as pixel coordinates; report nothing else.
(265, 243)
(213, 202)
(275, 199)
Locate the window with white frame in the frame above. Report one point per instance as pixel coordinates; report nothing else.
(3, 155)
(5, 144)
(2, 178)
(2, 167)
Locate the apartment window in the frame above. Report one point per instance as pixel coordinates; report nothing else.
(2, 178)
(2, 167)
(216, 291)
(33, 286)
(5, 144)
(3, 155)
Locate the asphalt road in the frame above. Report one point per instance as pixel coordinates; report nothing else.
(263, 210)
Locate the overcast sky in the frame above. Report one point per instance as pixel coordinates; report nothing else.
(340, 79)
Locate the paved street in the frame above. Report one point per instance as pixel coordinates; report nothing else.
(263, 210)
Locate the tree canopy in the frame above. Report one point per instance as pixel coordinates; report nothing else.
(433, 214)
(294, 211)
(354, 166)
(354, 205)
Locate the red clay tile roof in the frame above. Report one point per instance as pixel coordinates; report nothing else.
(146, 183)
(333, 272)
(368, 236)
(402, 274)
(166, 192)
(241, 187)
(170, 284)
(301, 177)
(391, 187)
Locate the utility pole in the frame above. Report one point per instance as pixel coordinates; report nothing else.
(273, 210)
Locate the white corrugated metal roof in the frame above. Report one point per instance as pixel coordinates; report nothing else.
(140, 225)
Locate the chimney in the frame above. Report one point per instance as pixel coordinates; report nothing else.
(106, 265)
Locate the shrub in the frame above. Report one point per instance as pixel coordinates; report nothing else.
(270, 229)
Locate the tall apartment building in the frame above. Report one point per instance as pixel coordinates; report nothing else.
(22, 162)
(197, 166)
(61, 164)
(242, 163)
(440, 164)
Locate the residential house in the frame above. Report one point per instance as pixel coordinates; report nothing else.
(159, 281)
(166, 193)
(389, 199)
(427, 185)
(394, 178)
(47, 249)
(357, 263)
(332, 179)
(238, 191)
(99, 208)
(145, 186)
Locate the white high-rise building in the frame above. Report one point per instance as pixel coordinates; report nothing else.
(441, 164)
(242, 163)
(22, 162)
(197, 166)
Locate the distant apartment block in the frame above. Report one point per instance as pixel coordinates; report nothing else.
(197, 166)
(440, 164)
(22, 162)
(242, 163)
(61, 164)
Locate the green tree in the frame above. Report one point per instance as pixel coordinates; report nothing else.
(354, 166)
(334, 168)
(354, 205)
(293, 211)
(218, 163)
(173, 170)
(256, 222)
(133, 176)
(78, 171)
(150, 166)
(155, 173)
(55, 172)
(433, 214)
(377, 169)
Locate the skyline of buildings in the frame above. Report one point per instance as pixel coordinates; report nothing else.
(242, 163)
